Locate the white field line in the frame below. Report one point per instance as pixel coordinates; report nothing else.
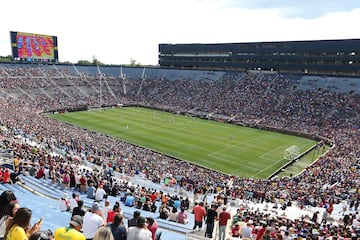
(261, 156)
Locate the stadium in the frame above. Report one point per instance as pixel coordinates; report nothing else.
(248, 132)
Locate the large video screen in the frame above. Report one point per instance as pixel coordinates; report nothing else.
(31, 47)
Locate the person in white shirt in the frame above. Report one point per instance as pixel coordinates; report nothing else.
(100, 193)
(64, 204)
(173, 215)
(356, 224)
(46, 173)
(77, 181)
(247, 231)
(73, 201)
(140, 232)
(93, 220)
(106, 209)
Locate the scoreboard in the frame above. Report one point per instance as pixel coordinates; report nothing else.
(31, 47)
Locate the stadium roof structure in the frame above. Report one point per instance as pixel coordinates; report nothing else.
(329, 57)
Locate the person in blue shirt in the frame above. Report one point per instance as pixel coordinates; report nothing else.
(177, 203)
(129, 201)
(91, 191)
(117, 228)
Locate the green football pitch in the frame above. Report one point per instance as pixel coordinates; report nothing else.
(242, 151)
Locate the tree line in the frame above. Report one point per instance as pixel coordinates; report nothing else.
(94, 62)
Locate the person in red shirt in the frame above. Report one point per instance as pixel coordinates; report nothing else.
(40, 173)
(330, 209)
(6, 176)
(235, 230)
(224, 216)
(261, 232)
(153, 197)
(111, 214)
(152, 226)
(1, 174)
(200, 214)
(83, 184)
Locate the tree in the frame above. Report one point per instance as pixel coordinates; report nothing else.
(133, 63)
(6, 58)
(96, 62)
(84, 62)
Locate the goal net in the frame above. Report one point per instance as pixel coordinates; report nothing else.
(291, 153)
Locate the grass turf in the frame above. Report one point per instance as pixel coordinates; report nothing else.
(228, 148)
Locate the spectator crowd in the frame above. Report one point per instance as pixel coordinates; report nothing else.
(254, 98)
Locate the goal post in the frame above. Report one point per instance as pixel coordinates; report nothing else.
(291, 153)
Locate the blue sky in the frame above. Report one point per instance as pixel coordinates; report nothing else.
(115, 31)
(298, 8)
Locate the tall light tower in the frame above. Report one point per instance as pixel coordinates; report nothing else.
(143, 78)
(100, 85)
(124, 81)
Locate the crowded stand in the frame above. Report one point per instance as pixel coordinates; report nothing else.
(57, 151)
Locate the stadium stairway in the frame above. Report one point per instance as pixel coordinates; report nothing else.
(41, 207)
(42, 196)
(46, 188)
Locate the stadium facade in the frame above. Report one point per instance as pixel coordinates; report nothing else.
(329, 57)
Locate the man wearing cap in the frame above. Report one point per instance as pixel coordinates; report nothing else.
(72, 232)
(64, 204)
(140, 232)
(93, 220)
